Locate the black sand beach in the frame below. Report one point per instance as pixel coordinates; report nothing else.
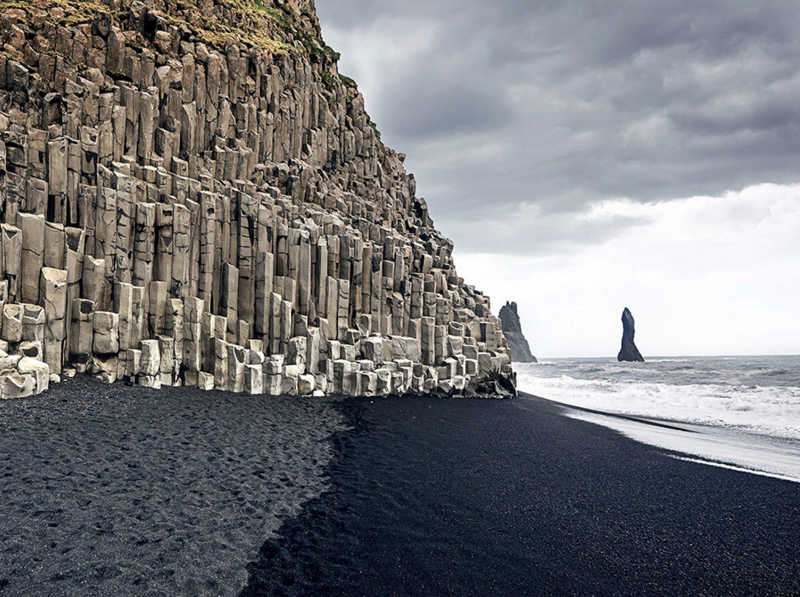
(436, 497)
(117, 491)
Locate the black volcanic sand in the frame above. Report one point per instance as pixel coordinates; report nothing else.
(115, 490)
(433, 497)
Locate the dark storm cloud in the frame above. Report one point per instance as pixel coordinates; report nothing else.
(560, 104)
(452, 106)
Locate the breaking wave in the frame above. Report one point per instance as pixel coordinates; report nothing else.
(720, 392)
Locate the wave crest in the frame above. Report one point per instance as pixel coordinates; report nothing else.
(768, 410)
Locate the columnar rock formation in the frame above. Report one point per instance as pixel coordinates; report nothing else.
(192, 194)
(512, 329)
(628, 352)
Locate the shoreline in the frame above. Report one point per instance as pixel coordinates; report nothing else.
(435, 498)
(758, 454)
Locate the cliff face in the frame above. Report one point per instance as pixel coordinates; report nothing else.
(192, 194)
(512, 329)
(629, 352)
(307, 5)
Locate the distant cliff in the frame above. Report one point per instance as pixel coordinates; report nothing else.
(520, 350)
(628, 352)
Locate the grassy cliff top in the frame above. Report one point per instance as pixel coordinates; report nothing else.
(275, 25)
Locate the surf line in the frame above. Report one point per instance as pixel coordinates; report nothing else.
(603, 413)
(741, 469)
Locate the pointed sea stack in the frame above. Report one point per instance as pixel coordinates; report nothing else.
(629, 352)
(520, 350)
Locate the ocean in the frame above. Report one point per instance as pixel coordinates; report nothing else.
(760, 395)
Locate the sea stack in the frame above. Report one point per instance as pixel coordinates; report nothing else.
(629, 352)
(193, 195)
(520, 349)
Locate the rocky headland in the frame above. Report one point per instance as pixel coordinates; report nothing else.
(193, 195)
(512, 329)
(629, 352)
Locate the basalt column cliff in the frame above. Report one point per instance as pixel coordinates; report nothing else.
(192, 194)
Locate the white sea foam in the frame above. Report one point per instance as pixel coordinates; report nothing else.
(737, 450)
(773, 411)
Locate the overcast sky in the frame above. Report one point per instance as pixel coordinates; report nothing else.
(590, 155)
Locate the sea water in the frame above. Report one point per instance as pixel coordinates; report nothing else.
(759, 395)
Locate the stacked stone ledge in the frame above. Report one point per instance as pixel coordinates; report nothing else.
(176, 214)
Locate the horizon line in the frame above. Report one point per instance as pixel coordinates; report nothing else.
(670, 356)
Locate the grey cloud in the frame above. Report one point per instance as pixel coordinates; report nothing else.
(540, 234)
(565, 103)
(773, 114)
(451, 106)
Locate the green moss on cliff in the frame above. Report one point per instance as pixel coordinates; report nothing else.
(375, 128)
(252, 22)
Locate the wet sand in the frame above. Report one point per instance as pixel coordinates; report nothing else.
(433, 497)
